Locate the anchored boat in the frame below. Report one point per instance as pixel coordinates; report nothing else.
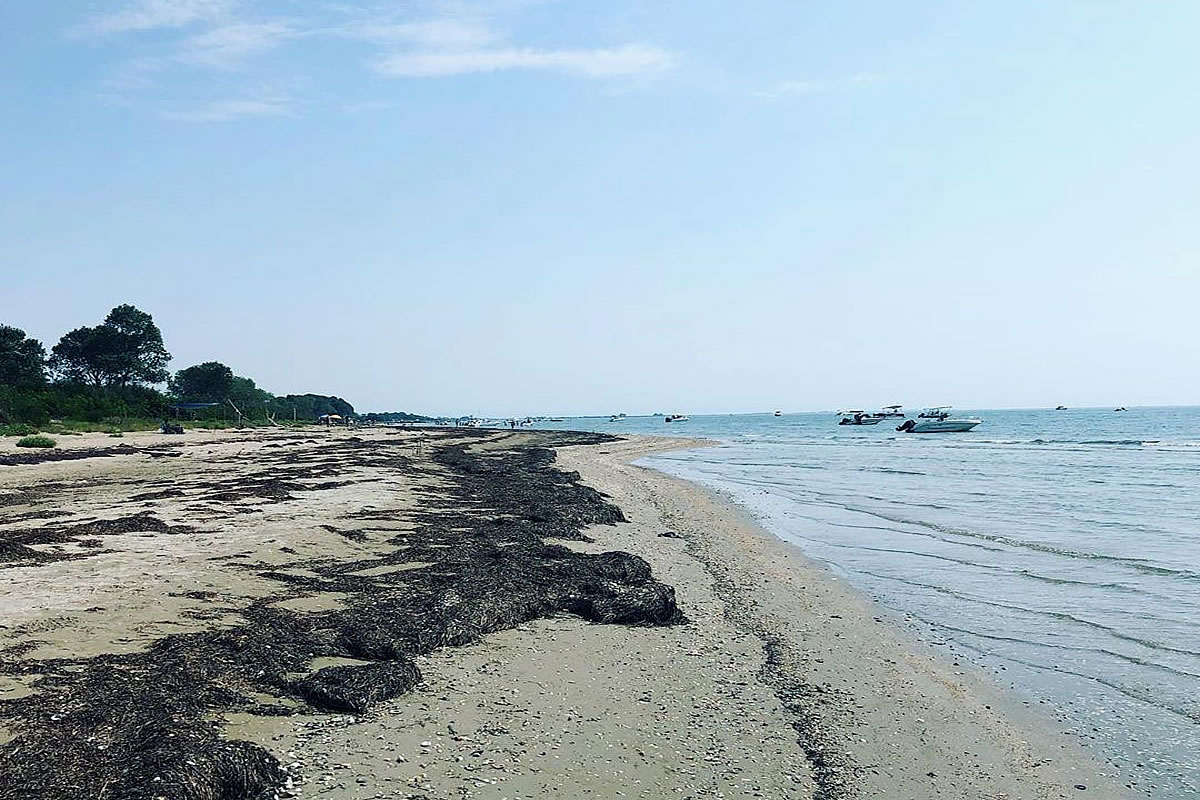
(857, 418)
(938, 420)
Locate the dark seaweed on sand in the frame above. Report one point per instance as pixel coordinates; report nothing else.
(21, 459)
(16, 546)
(141, 726)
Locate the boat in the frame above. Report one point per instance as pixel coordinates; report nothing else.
(556, 419)
(1122, 408)
(675, 418)
(779, 413)
(890, 411)
(617, 418)
(1060, 408)
(938, 420)
(857, 418)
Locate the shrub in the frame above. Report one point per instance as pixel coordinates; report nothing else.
(37, 441)
(17, 429)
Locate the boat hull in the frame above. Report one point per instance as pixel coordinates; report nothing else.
(943, 426)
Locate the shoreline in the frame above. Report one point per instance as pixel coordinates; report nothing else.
(782, 682)
(842, 666)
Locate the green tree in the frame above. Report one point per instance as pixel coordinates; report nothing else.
(22, 360)
(139, 355)
(82, 356)
(311, 406)
(210, 382)
(125, 350)
(248, 397)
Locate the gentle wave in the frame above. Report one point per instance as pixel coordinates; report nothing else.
(1065, 544)
(1141, 565)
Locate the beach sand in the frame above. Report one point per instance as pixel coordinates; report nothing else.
(782, 683)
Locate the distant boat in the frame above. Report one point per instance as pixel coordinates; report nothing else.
(779, 413)
(557, 419)
(938, 420)
(1122, 408)
(857, 418)
(617, 418)
(1060, 408)
(890, 411)
(675, 418)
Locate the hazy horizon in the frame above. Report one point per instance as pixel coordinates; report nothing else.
(910, 410)
(513, 207)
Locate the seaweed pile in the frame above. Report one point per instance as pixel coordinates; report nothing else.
(20, 459)
(143, 725)
(16, 550)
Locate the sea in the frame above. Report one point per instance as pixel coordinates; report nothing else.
(1058, 549)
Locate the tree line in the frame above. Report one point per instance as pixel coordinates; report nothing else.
(116, 370)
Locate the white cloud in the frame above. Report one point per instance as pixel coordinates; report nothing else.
(225, 46)
(600, 63)
(146, 15)
(435, 33)
(800, 88)
(450, 37)
(227, 110)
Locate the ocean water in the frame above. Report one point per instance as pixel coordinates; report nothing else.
(1058, 549)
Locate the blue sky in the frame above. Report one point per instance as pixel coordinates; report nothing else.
(525, 206)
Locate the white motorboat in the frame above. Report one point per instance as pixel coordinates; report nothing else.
(617, 418)
(938, 420)
(890, 411)
(675, 418)
(779, 413)
(857, 418)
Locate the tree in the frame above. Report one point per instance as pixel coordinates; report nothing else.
(138, 354)
(22, 360)
(247, 396)
(210, 382)
(81, 356)
(126, 349)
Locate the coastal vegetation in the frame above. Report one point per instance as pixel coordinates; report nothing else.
(393, 417)
(36, 441)
(111, 377)
(17, 429)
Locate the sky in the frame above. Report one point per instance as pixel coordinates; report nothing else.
(507, 207)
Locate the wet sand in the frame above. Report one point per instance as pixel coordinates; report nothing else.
(782, 683)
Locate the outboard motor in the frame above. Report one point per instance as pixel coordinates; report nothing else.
(906, 426)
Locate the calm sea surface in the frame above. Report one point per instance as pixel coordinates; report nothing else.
(1059, 549)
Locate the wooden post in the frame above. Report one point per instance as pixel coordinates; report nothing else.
(237, 410)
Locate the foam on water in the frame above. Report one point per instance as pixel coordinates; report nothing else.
(1059, 549)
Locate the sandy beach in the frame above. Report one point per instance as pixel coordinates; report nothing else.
(440, 614)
